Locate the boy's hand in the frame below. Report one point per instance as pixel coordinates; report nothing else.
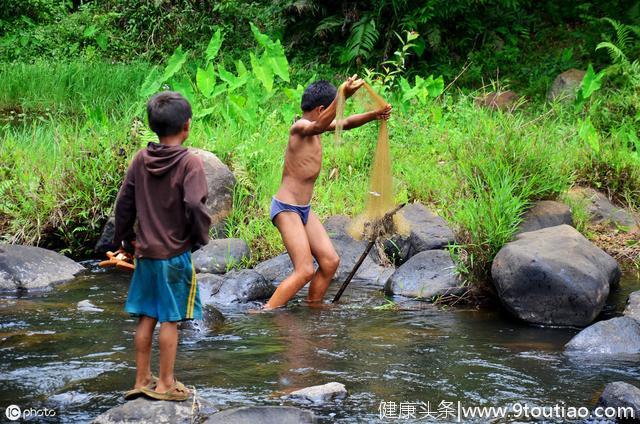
(351, 85)
(384, 113)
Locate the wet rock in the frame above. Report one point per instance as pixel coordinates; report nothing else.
(263, 415)
(554, 276)
(321, 394)
(220, 255)
(601, 210)
(427, 274)
(275, 269)
(87, 306)
(212, 319)
(622, 395)
(220, 183)
(427, 232)
(105, 242)
(143, 410)
(565, 85)
(633, 306)
(619, 335)
(501, 100)
(33, 268)
(234, 287)
(544, 214)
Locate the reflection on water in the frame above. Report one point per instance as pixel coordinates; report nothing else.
(79, 363)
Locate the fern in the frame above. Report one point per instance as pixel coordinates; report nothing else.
(619, 51)
(364, 35)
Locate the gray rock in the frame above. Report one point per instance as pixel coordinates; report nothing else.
(143, 410)
(234, 287)
(275, 269)
(105, 242)
(619, 335)
(427, 232)
(263, 415)
(87, 306)
(220, 255)
(427, 274)
(544, 214)
(321, 394)
(633, 306)
(33, 268)
(212, 319)
(622, 395)
(601, 210)
(554, 276)
(501, 100)
(565, 85)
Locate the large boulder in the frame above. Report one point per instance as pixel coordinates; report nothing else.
(33, 268)
(275, 269)
(320, 394)
(619, 335)
(219, 255)
(633, 306)
(220, 182)
(601, 210)
(427, 274)
(143, 410)
(544, 214)
(565, 85)
(624, 397)
(263, 415)
(234, 287)
(427, 231)
(554, 276)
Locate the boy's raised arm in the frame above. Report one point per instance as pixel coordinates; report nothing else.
(355, 121)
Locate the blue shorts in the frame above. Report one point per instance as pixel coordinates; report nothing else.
(165, 289)
(278, 207)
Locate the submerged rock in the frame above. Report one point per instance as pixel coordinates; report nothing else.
(619, 335)
(622, 395)
(601, 210)
(427, 231)
(427, 274)
(212, 318)
(633, 306)
(143, 410)
(33, 268)
(544, 214)
(554, 276)
(565, 85)
(219, 255)
(321, 394)
(263, 415)
(234, 287)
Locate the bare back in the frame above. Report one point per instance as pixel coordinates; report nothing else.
(302, 164)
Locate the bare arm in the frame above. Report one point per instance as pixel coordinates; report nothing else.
(358, 120)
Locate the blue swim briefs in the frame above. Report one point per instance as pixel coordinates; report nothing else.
(165, 289)
(278, 207)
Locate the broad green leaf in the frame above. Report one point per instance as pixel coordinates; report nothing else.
(151, 83)
(588, 134)
(214, 46)
(278, 60)
(184, 87)
(206, 80)
(240, 68)
(174, 64)
(233, 81)
(237, 105)
(261, 38)
(435, 87)
(102, 41)
(90, 31)
(591, 82)
(264, 74)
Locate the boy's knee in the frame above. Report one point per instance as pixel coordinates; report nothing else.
(331, 263)
(305, 271)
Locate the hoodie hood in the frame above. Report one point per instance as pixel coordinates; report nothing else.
(160, 159)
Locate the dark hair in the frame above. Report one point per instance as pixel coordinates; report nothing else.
(168, 112)
(319, 93)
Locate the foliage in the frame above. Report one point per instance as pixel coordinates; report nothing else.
(620, 49)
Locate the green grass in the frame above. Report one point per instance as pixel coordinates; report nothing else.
(60, 170)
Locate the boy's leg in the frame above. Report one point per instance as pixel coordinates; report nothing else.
(168, 343)
(142, 340)
(326, 256)
(295, 240)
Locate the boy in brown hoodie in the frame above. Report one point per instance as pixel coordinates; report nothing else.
(165, 189)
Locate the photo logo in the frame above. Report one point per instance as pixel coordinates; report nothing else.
(13, 412)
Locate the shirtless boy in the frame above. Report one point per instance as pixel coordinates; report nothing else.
(302, 232)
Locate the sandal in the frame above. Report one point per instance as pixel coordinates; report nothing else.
(136, 393)
(178, 392)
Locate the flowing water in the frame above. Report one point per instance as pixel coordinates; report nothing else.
(79, 363)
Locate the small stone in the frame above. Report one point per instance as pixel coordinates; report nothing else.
(263, 415)
(87, 306)
(321, 394)
(622, 395)
(565, 85)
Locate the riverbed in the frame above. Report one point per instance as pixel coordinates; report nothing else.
(79, 363)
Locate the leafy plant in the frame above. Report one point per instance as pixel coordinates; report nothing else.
(591, 82)
(620, 48)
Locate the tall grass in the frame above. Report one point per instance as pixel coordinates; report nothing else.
(481, 170)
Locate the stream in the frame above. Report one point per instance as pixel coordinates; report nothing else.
(79, 363)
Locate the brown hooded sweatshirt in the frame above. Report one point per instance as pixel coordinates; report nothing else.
(166, 189)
